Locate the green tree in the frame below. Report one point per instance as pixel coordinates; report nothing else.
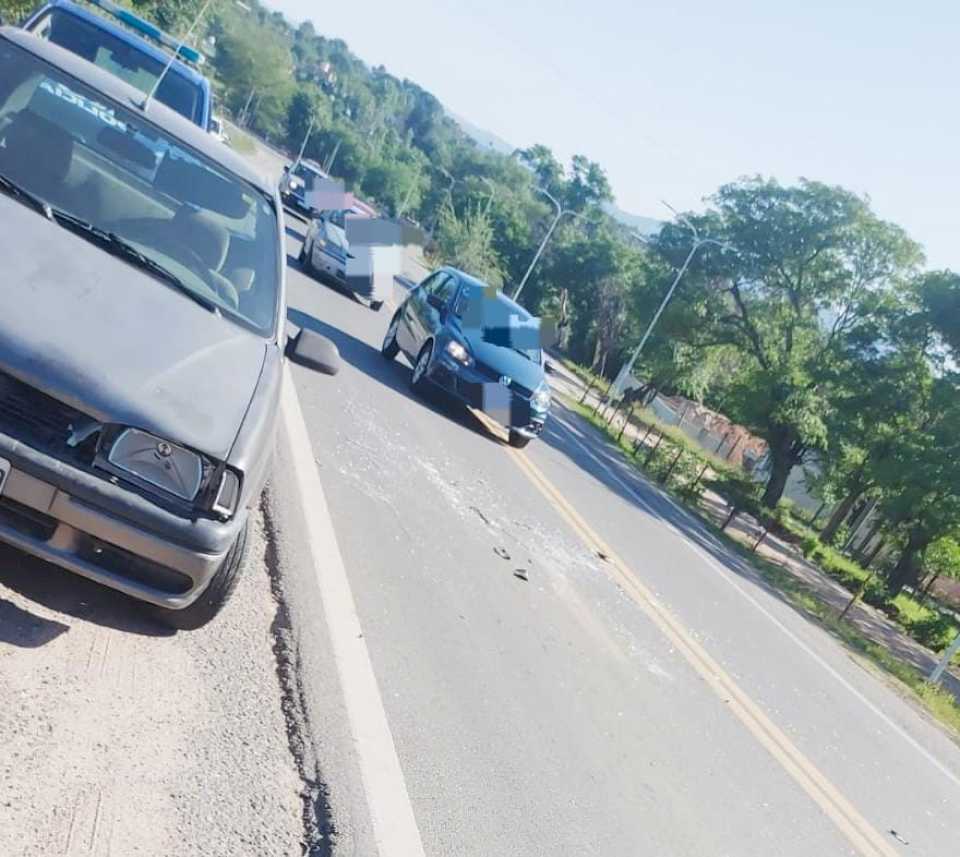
(800, 281)
(467, 243)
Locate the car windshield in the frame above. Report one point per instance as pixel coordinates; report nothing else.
(131, 64)
(499, 320)
(307, 174)
(89, 157)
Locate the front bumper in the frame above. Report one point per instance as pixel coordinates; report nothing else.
(295, 204)
(509, 406)
(102, 531)
(330, 266)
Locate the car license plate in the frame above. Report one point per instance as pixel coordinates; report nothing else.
(4, 472)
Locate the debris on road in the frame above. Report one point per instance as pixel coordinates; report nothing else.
(520, 573)
(502, 553)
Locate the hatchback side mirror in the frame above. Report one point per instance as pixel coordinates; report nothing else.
(314, 351)
(436, 302)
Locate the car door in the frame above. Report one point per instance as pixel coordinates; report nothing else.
(412, 330)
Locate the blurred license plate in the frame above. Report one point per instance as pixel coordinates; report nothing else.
(4, 472)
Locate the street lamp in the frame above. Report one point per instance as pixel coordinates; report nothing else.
(493, 193)
(698, 242)
(560, 212)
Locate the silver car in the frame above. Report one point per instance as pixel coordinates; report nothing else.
(141, 335)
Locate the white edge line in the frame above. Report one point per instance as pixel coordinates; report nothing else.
(726, 576)
(394, 825)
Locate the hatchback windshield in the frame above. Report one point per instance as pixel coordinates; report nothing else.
(126, 61)
(90, 158)
(501, 321)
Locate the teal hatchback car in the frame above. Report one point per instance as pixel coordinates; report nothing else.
(472, 341)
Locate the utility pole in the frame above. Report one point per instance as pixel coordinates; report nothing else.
(941, 667)
(560, 212)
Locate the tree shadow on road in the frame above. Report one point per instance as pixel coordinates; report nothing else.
(68, 594)
(584, 445)
(393, 373)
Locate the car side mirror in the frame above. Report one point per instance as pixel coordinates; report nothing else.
(314, 351)
(436, 302)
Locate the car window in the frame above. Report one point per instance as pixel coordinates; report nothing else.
(90, 157)
(120, 58)
(442, 285)
(501, 321)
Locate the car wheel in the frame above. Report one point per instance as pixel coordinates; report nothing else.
(390, 349)
(375, 305)
(217, 593)
(517, 440)
(304, 259)
(418, 380)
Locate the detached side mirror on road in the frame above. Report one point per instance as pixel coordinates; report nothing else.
(313, 351)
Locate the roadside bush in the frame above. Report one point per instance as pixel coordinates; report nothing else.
(811, 548)
(934, 631)
(876, 593)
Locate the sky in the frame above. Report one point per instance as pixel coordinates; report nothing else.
(677, 97)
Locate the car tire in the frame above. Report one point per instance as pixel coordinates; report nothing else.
(418, 380)
(389, 349)
(304, 259)
(217, 593)
(376, 305)
(517, 440)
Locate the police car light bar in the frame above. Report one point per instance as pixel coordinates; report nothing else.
(150, 30)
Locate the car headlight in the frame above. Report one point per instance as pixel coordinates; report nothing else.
(459, 353)
(295, 184)
(541, 399)
(158, 462)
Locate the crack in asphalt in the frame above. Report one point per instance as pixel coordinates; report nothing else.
(319, 832)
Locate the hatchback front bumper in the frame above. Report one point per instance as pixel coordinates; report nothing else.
(507, 405)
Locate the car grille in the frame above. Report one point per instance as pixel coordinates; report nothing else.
(34, 417)
(493, 375)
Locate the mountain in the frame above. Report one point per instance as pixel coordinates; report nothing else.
(643, 225)
(484, 139)
(488, 140)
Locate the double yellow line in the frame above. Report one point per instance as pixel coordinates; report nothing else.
(858, 831)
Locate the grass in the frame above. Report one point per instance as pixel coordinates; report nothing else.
(940, 703)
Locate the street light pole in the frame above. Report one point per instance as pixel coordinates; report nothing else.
(698, 242)
(560, 212)
(306, 139)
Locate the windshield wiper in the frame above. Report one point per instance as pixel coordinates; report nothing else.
(124, 249)
(10, 187)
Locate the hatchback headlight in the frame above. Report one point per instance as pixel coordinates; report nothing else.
(459, 353)
(159, 463)
(541, 399)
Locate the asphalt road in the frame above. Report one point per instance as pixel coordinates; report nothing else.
(442, 641)
(562, 714)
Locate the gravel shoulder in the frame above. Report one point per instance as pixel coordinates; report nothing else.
(120, 737)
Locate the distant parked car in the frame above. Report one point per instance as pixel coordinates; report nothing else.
(297, 184)
(142, 335)
(325, 249)
(476, 344)
(129, 57)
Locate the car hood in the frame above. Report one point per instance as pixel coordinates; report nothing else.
(504, 361)
(116, 343)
